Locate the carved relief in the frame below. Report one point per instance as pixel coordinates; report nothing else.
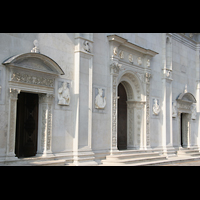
(115, 67)
(148, 63)
(156, 107)
(139, 61)
(130, 58)
(26, 78)
(100, 100)
(121, 54)
(115, 51)
(86, 46)
(36, 47)
(147, 76)
(64, 95)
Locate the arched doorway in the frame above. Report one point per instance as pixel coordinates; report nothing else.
(122, 118)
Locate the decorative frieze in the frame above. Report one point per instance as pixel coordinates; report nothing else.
(36, 80)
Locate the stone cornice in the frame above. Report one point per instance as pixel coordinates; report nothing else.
(126, 43)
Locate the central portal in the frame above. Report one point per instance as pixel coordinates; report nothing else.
(26, 125)
(122, 118)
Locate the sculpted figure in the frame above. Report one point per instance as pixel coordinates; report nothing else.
(87, 46)
(148, 63)
(36, 48)
(139, 60)
(156, 107)
(100, 101)
(64, 95)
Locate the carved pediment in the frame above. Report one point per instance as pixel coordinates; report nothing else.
(187, 97)
(34, 61)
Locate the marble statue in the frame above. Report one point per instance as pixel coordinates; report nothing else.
(36, 48)
(64, 95)
(100, 101)
(156, 107)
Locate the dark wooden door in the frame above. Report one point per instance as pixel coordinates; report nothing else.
(122, 118)
(26, 125)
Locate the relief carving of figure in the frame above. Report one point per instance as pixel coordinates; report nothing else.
(100, 101)
(156, 107)
(64, 95)
(36, 48)
(139, 60)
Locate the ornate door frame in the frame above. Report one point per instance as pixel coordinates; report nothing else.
(35, 73)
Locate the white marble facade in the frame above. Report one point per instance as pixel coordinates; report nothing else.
(76, 76)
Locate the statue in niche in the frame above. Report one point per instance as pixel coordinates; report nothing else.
(156, 107)
(174, 111)
(194, 112)
(64, 95)
(36, 48)
(100, 101)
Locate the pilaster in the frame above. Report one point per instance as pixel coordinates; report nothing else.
(45, 123)
(13, 96)
(83, 76)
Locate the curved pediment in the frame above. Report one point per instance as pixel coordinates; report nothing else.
(35, 61)
(187, 97)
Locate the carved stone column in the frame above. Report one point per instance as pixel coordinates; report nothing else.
(13, 96)
(148, 77)
(136, 124)
(45, 123)
(114, 67)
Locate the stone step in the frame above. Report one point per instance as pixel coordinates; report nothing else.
(133, 160)
(130, 156)
(133, 152)
(47, 163)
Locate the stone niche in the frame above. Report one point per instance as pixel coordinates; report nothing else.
(33, 73)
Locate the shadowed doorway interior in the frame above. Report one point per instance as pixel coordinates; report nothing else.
(122, 118)
(27, 125)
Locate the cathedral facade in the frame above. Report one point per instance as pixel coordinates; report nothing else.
(84, 96)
